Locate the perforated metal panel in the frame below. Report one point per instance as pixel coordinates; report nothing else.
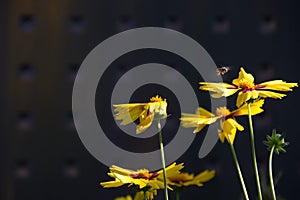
(42, 45)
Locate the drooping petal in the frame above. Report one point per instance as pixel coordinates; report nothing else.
(229, 129)
(128, 113)
(236, 124)
(220, 89)
(278, 85)
(270, 94)
(255, 109)
(243, 97)
(145, 122)
(221, 135)
(199, 128)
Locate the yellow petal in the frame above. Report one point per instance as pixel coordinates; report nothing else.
(149, 194)
(199, 120)
(205, 176)
(128, 197)
(243, 76)
(236, 124)
(255, 109)
(278, 85)
(144, 123)
(221, 135)
(243, 97)
(139, 196)
(229, 129)
(201, 111)
(140, 182)
(111, 184)
(269, 94)
(160, 109)
(192, 120)
(124, 179)
(199, 128)
(220, 89)
(128, 113)
(171, 170)
(120, 170)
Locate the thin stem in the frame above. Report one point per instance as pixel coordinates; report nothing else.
(271, 174)
(253, 153)
(177, 195)
(161, 145)
(239, 171)
(145, 195)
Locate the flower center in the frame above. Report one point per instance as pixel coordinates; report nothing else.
(156, 99)
(143, 174)
(246, 84)
(222, 111)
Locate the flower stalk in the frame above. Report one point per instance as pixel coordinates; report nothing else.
(161, 145)
(253, 152)
(239, 171)
(177, 195)
(275, 143)
(271, 174)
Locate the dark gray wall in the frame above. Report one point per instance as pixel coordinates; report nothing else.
(42, 45)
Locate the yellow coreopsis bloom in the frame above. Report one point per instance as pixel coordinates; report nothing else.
(186, 179)
(248, 89)
(150, 194)
(144, 112)
(140, 196)
(229, 125)
(128, 197)
(142, 178)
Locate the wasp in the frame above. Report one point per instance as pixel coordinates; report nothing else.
(222, 70)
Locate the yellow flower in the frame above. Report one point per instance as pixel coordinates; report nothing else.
(228, 123)
(185, 179)
(248, 89)
(150, 194)
(144, 112)
(140, 196)
(142, 178)
(128, 197)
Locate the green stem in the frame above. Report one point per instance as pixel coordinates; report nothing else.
(161, 145)
(253, 153)
(239, 171)
(271, 174)
(177, 195)
(145, 195)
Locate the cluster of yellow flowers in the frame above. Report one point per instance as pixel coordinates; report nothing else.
(244, 85)
(247, 91)
(250, 100)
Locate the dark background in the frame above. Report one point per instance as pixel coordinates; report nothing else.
(42, 45)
